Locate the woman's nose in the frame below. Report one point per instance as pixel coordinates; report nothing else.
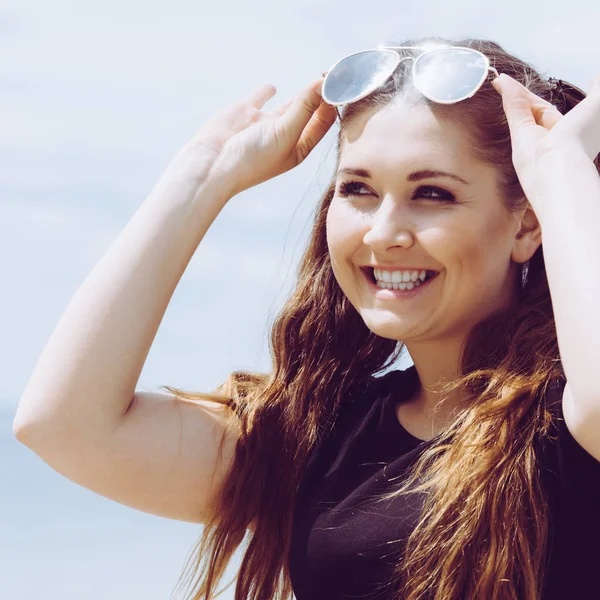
(388, 229)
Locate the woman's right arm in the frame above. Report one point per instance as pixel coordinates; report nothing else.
(80, 411)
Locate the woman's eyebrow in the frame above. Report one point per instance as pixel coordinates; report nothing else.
(414, 176)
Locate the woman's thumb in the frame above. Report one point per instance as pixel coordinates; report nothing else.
(517, 105)
(301, 110)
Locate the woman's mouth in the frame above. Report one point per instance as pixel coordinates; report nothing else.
(382, 292)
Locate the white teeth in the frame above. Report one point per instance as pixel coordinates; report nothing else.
(399, 286)
(397, 277)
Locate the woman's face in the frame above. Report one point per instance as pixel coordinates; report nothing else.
(390, 218)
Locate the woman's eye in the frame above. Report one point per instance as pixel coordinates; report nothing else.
(440, 194)
(350, 188)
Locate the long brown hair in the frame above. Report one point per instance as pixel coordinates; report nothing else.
(484, 527)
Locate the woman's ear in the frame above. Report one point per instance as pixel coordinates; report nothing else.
(529, 235)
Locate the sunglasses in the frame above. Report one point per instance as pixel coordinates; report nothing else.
(444, 74)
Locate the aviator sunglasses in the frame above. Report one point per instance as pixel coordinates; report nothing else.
(444, 74)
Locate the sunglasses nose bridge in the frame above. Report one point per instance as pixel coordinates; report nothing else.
(406, 58)
(403, 58)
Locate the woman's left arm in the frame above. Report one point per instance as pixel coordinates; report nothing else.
(553, 155)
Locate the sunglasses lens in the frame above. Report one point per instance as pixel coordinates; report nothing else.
(356, 76)
(450, 75)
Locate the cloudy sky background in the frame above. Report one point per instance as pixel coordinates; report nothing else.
(95, 100)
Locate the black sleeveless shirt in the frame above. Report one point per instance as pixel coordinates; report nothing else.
(344, 545)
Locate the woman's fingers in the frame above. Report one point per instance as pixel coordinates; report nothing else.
(300, 112)
(259, 96)
(315, 130)
(537, 127)
(522, 105)
(277, 112)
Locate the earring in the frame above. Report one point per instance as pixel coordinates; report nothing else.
(524, 273)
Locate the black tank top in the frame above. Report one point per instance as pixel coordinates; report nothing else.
(344, 545)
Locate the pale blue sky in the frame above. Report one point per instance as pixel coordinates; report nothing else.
(95, 100)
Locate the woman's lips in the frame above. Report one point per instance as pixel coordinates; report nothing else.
(386, 293)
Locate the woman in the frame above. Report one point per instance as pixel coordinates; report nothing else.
(473, 474)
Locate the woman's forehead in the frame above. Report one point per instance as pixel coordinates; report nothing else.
(392, 127)
(405, 135)
(373, 161)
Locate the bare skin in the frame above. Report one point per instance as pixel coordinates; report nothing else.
(80, 410)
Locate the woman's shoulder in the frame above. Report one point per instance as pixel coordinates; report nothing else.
(366, 410)
(569, 467)
(374, 395)
(364, 428)
(571, 480)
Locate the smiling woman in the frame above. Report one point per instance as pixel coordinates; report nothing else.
(458, 478)
(395, 221)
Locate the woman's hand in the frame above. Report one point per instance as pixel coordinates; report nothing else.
(242, 146)
(539, 131)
